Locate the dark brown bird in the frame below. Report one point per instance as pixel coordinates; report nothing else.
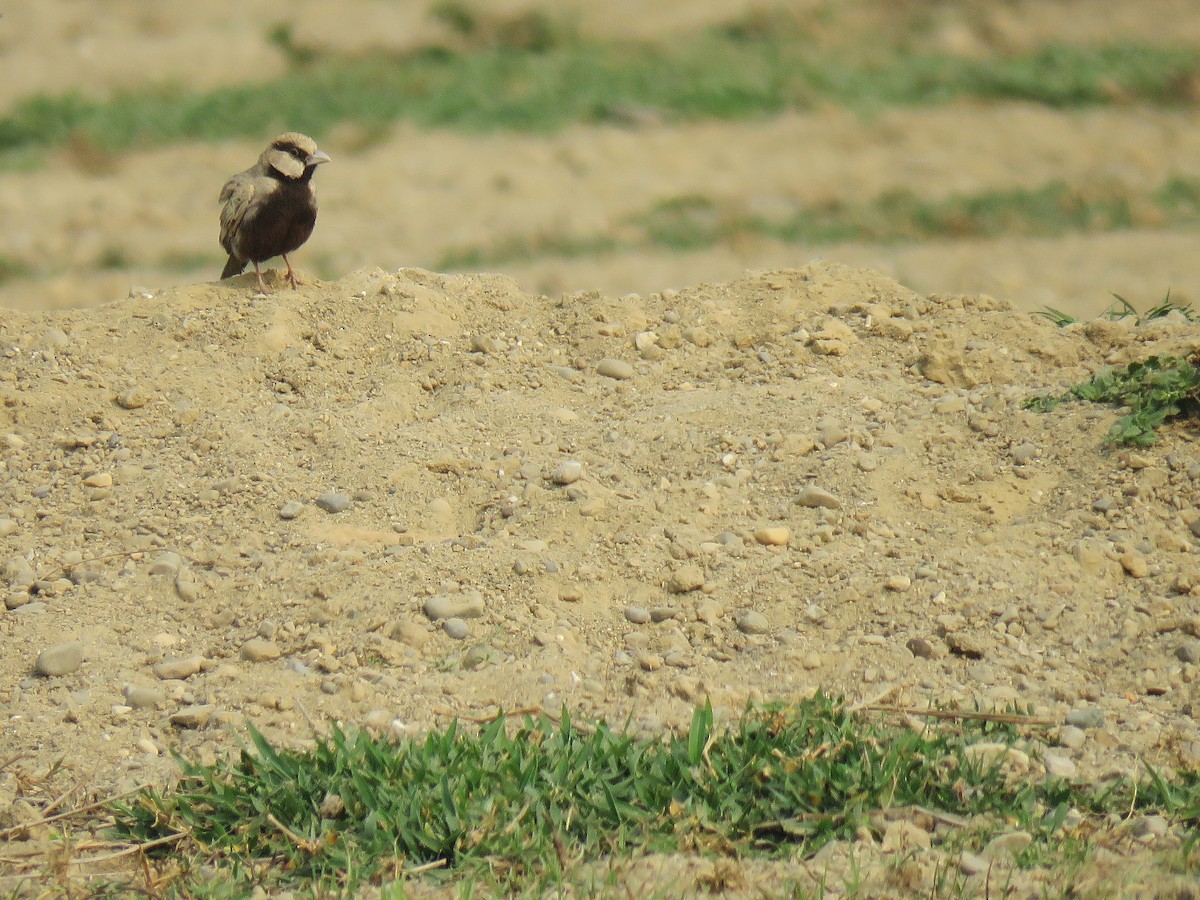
(271, 208)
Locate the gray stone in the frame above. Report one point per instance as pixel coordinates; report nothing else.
(1086, 717)
(333, 502)
(141, 697)
(59, 659)
(752, 622)
(1006, 846)
(1188, 652)
(567, 472)
(456, 628)
(638, 615)
(291, 510)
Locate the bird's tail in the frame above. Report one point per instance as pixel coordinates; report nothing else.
(233, 267)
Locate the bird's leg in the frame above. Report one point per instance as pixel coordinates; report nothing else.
(262, 285)
(291, 274)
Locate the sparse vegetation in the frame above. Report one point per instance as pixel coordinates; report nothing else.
(532, 73)
(523, 804)
(696, 221)
(1155, 390)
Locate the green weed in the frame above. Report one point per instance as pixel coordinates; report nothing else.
(515, 805)
(1155, 390)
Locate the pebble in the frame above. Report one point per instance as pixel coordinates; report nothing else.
(617, 369)
(455, 628)
(1086, 717)
(1012, 762)
(1023, 453)
(467, 605)
(922, 648)
(141, 697)
(176, 668)
(664, 613)
(1188, 652)
(638, 615)
(333, 502)
(1058, 766)
(973, 864)
(963, 643)
(99, 480)
(814, 497)
(59, 659)
(132, 398)
(291, 510)
(147, 746)
(686, 579)
(1134, 565)
(410, 633)
(650, 662)
(260, 650)
(166, 563)
(477, 657)
(709, 611)
(1149, 827)
(7, 526)
(773, 536)
(1071, 737)
(898, 583)
(567, 472)
(186, 587)
(195, 716)
(752, 622)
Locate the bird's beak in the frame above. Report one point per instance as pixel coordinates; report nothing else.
(317, 158)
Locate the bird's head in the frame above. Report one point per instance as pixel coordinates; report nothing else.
(294, 155)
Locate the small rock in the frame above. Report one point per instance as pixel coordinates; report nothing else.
(467, 605)
(664, 613)
(1188, 652)
(1086, 717)
(99, 480)
(260, 650)
(195, 716)
(333, 502)
(963, 643)
(814, 497)
(478, 657)
(141, 697)
(132, 398)
(751, 621)
(1012, 762)
(410, 634)
(455, 628)
(615, 368)
(1058, 766)
(1134, 565)
(7, 527)
(567, 472)
(166, 563)
(59, 659)
(898, 583)
(1023, 453)
(922, 648)
(686, 579)
(186, 587)
(638, 615)
(1149, 827)
(1071, 737)
(773, 536)
(650, 662)
(291, 510)
(176, 668)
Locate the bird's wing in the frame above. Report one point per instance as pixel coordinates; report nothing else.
(237, 196)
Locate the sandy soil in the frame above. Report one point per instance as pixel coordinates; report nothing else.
(880, 519)
(550, 453)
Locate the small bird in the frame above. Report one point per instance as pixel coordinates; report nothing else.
(271, 208)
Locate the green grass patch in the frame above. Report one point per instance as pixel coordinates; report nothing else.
(1156, 390)
(522, 803)
(693, 222)
(535, 75)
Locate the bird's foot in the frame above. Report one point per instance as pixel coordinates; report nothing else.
(293, 279)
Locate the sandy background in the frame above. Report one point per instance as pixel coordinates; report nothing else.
(552, 454)
(417, 195)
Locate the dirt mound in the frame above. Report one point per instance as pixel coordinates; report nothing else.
(404, 496)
